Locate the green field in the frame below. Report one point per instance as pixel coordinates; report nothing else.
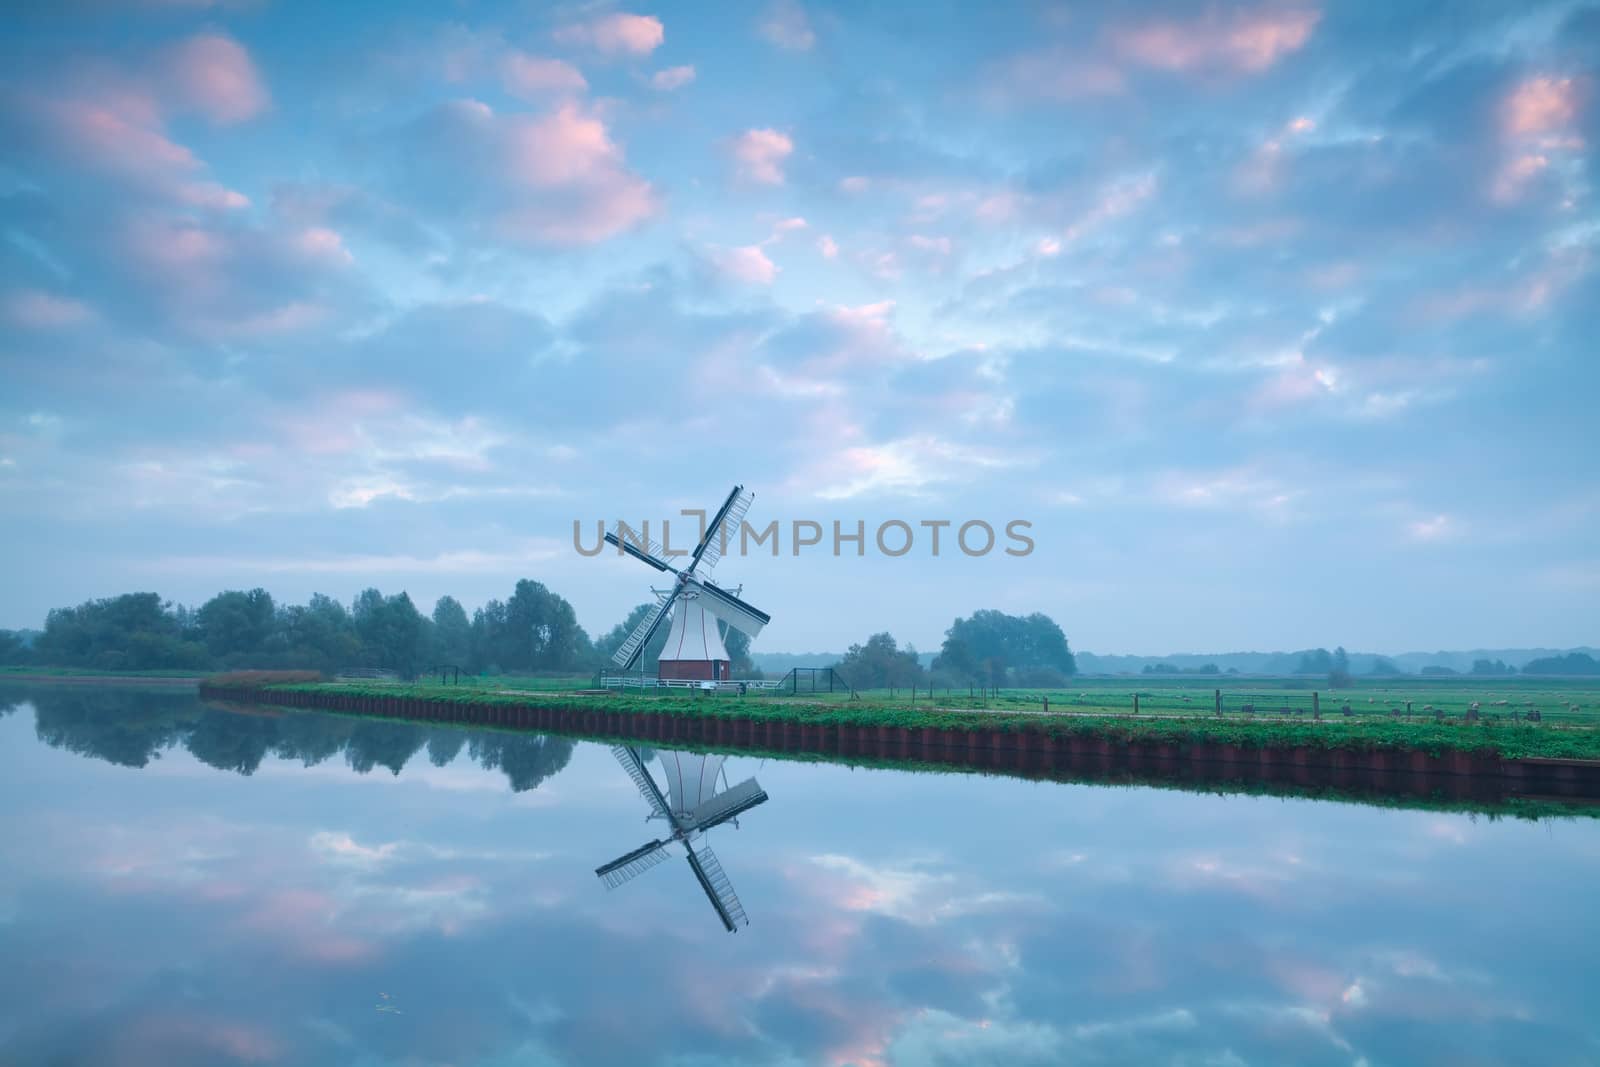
(1180, 712)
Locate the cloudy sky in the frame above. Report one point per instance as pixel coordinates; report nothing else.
(1275, 321)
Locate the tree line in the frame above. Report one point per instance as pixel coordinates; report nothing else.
(533, 630)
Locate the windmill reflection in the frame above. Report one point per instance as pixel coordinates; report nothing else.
(692, 804)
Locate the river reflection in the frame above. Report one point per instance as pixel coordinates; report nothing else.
(210, 887)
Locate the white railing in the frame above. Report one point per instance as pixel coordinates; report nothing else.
(635, 681)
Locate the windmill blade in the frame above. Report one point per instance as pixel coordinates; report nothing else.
(727, 805)
(712, 527)
(629, 758)
(628, 652)
(717, 888)
(746, 618)
(727, 521)
(626, 868)
(647, 555)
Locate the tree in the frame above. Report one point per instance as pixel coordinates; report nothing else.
(1315, 661)
(236, 626)
(1491, 667)
(12, 649)
(1573, 663)
(1383, 666)
(391, 630)
(1339, 671)
(879, 664)
(535, 630)
(320, 635)
(134, 631)
(990, 643)
(452, 632)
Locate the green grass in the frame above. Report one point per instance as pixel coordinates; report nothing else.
(1528, 808)
(1106, 712)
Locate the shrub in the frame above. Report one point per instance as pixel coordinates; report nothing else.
(235, 679)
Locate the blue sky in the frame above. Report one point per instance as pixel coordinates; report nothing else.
(1274, 320)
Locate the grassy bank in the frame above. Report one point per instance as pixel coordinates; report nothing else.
(1573, 737)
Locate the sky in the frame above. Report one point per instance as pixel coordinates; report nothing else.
(1273, 321)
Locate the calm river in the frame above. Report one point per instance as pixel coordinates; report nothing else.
(181, 885)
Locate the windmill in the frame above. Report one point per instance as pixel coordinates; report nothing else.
(694, 648)
(691, 805)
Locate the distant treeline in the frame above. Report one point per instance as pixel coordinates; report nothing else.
(1337, 665)
(1312, 661)
(534, 630)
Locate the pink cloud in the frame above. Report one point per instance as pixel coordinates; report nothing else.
(211, 196)
(215, 76)
(672, 78)
(526, 75)
(113, 126)
(35, 309)
(828, 247)
(323, 244)
(616, 34)
(785, 24)
(1516, 174)
(1539, 105)
(114, 134)
(1056, 74)
(577, 190)
(748, 264)
(1241, 43)
(761, 155)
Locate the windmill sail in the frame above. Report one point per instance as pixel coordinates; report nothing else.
(727, 805)
(626, 868)
(730, 609)
(629, 758)
(629, 650)
(650, 553)
(717, 888)
(723, 526)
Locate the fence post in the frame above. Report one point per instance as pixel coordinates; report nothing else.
(1316, 704)
(1217, 699)
(1136, 703)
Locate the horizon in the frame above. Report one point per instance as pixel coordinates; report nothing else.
(1275, 321)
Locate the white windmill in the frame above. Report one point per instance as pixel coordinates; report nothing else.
(694, 648)
(692, 804)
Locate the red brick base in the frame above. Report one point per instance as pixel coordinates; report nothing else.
(700, 670)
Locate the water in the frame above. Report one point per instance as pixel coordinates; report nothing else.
(179, 887)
